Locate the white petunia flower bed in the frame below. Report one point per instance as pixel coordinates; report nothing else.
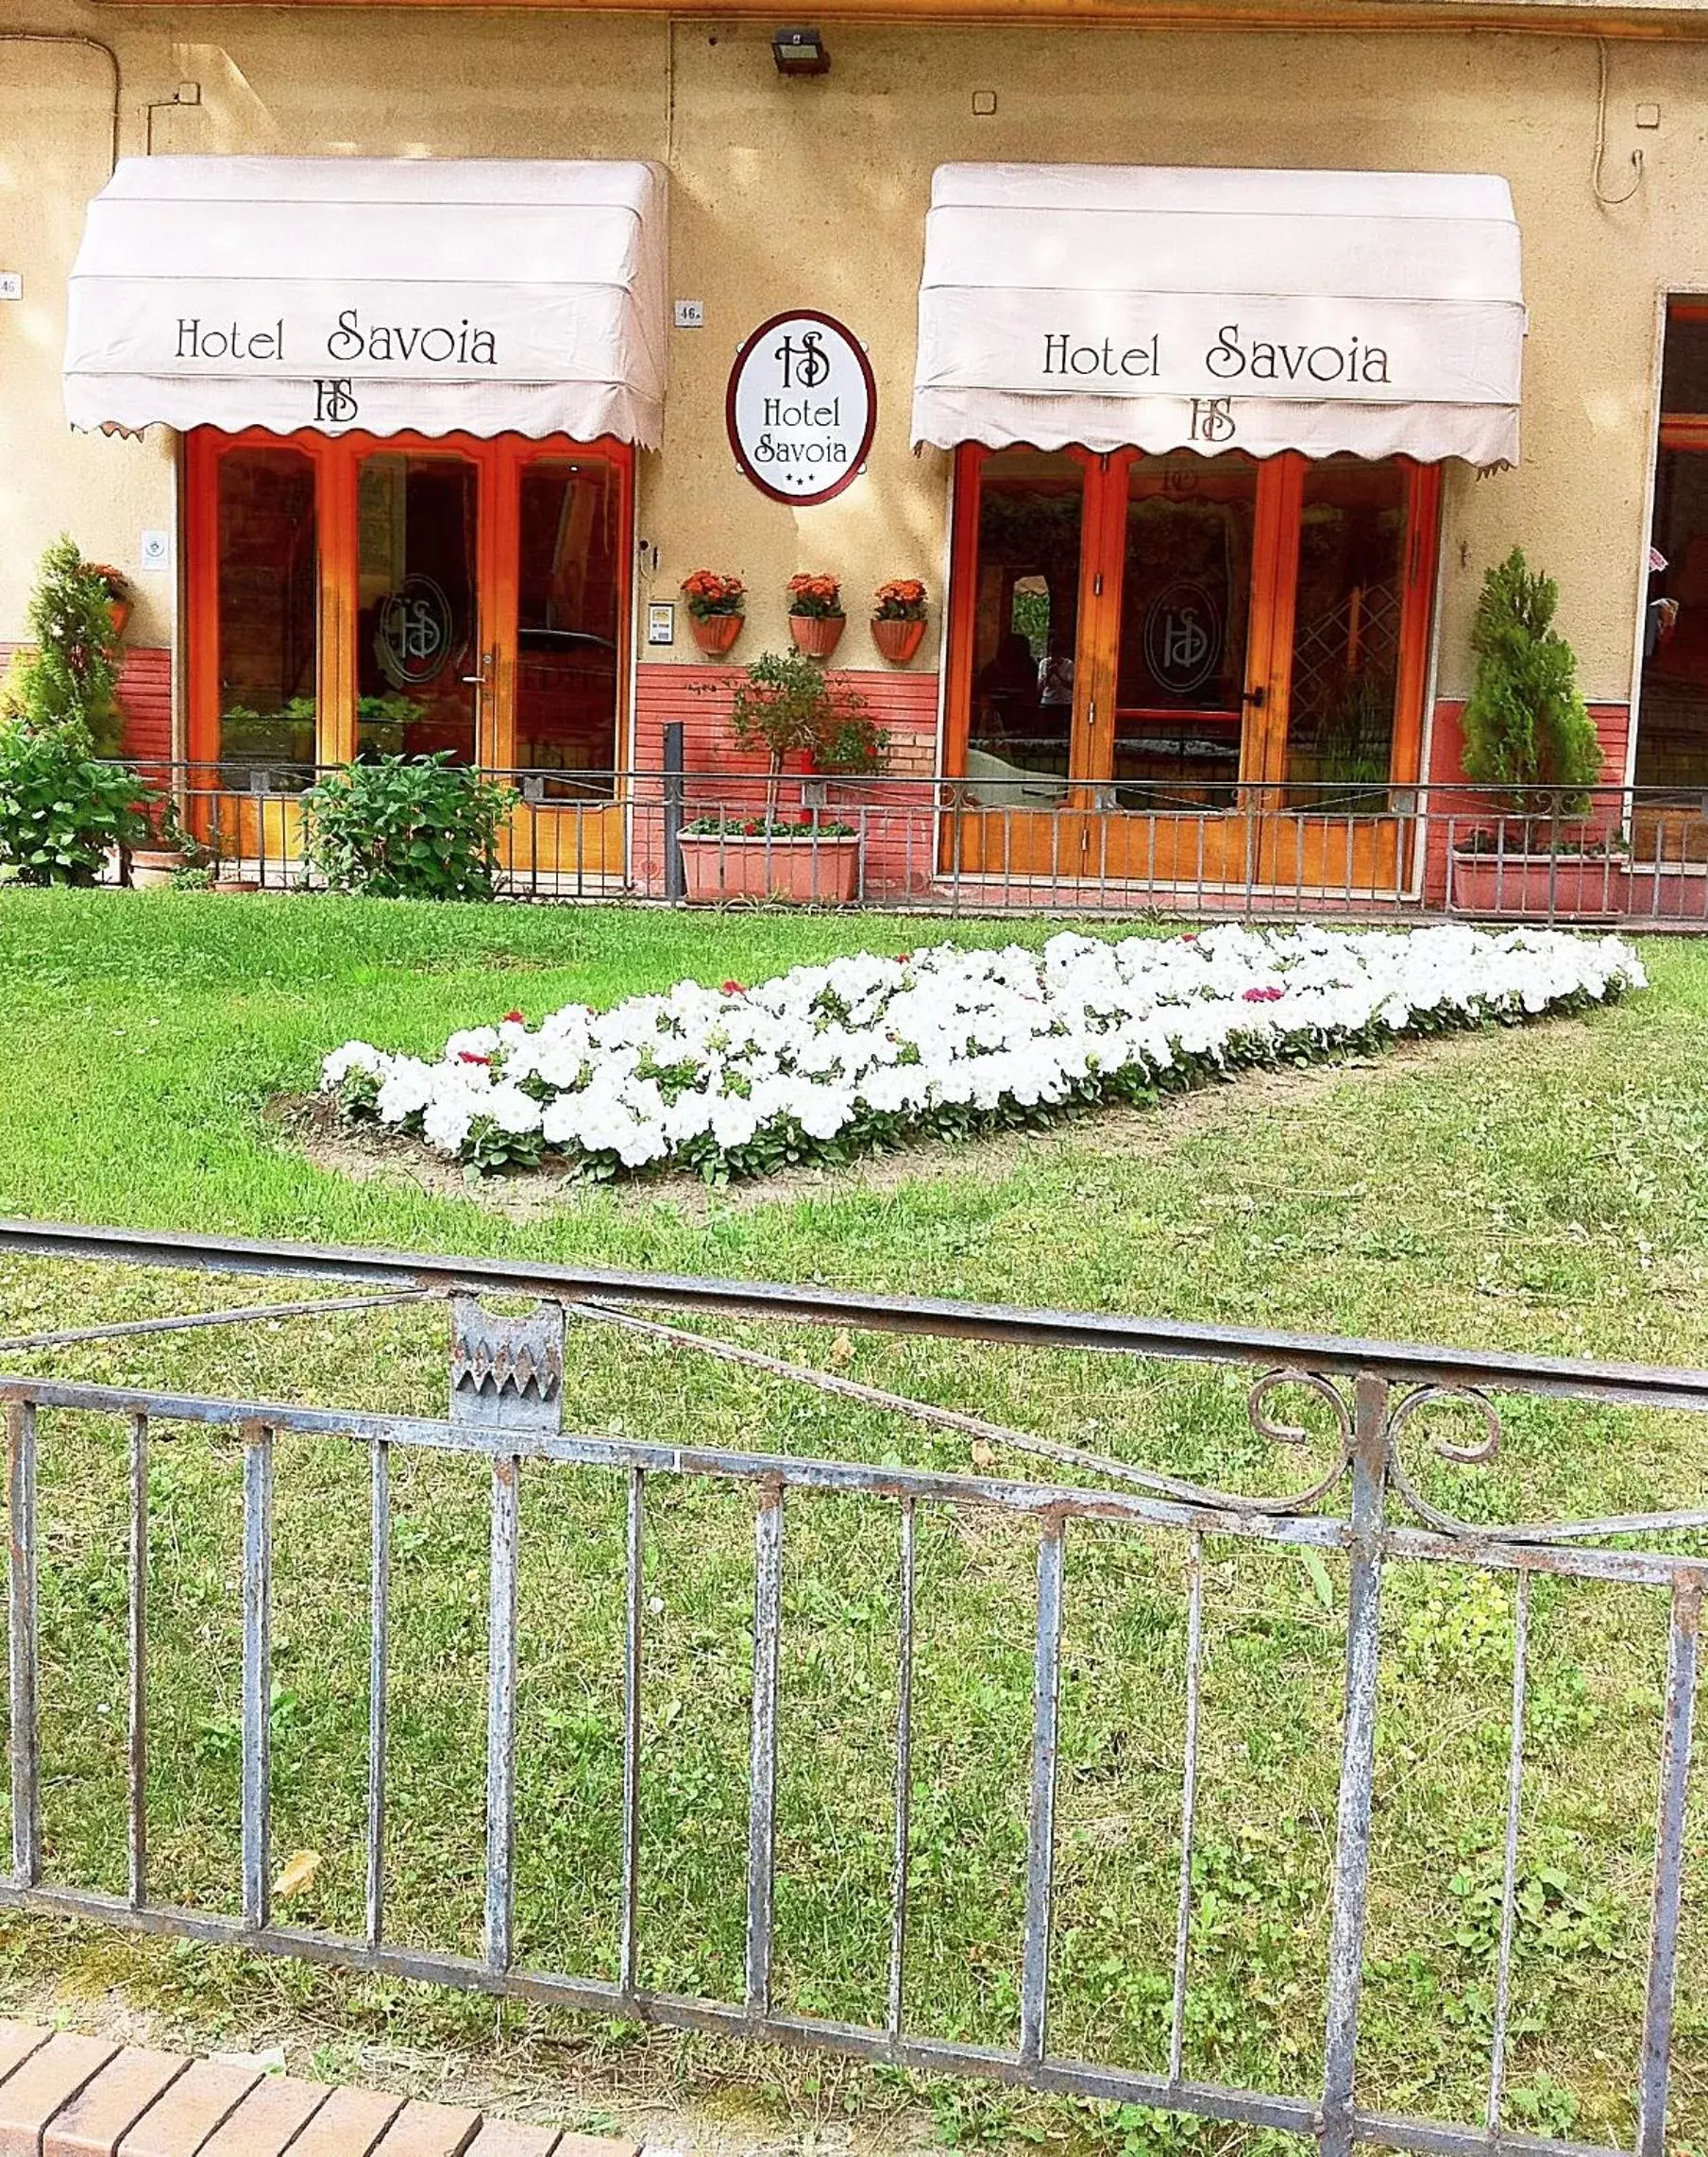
(826, 1062)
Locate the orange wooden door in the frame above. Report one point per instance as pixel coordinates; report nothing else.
(1348, 666)
(568, 830)
(1226, 655)
(1185, 637)
(395, 523)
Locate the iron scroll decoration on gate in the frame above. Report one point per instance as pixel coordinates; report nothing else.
(802, 407)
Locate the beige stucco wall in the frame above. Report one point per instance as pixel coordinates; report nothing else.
(814, 194)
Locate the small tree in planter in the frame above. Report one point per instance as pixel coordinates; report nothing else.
(1525, 724)
(72, 674)
(1529, 738)
(787, 705)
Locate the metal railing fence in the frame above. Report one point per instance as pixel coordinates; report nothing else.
(953, 845)
(506, 1393)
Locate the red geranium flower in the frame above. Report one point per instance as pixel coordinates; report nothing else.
(734, 989)
(468, 1056)
(515, 1018)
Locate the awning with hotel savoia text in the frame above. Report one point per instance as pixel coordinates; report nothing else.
(436, 295)
(1166, 308)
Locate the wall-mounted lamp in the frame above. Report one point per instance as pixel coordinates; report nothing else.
(799, 52)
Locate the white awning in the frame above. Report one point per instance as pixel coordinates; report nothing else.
(1164, 308)
(378, 294)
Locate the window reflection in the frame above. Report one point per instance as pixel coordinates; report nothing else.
(269, 580)
(1030, 516)
(1347, 635)
(569, 623)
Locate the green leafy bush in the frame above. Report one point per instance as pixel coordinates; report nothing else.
(407, 827)
(61, 809)
(71, 675)
(1525, 724)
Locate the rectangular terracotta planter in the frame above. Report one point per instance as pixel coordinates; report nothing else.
(1671, 890)
(813, 871)
(1535, 886)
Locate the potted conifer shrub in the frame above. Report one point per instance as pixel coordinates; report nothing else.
(70, 675)
(1529, 739)
(786, 705)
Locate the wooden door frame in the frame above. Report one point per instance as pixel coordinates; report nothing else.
(1269, 641)
(499, 462)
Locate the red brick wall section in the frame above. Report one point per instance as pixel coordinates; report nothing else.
(1447, 769)
(145, 699)
(893, 812)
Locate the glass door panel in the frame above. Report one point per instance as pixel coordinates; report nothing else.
(1026, 599)
(568, 626)
(1184, 669)
(269, 596)
(1346, 635)
(417, 611)
(1186, 604)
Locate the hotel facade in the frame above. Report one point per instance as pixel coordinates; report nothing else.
(1199, 362)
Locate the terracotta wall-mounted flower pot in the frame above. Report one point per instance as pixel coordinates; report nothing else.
(897, 640)
(120, 611)
(816, 869)
(816, 634)
(716, 633)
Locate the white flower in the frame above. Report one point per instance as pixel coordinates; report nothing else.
(408, 1089)
(446, 1123)
(353, 1056)
(822, 1047)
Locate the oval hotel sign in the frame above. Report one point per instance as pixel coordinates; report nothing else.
(802, 407)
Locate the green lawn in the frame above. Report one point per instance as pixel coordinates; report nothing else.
(1544, 1189)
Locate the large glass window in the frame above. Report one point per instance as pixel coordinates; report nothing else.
(1185, 619)
(269, 586)
(1188, 636)
(570, 619)
(1347, 634)
(1673, 725)
(417, 623)
(1026, 626)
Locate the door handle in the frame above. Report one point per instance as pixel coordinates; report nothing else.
(1256, 698)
